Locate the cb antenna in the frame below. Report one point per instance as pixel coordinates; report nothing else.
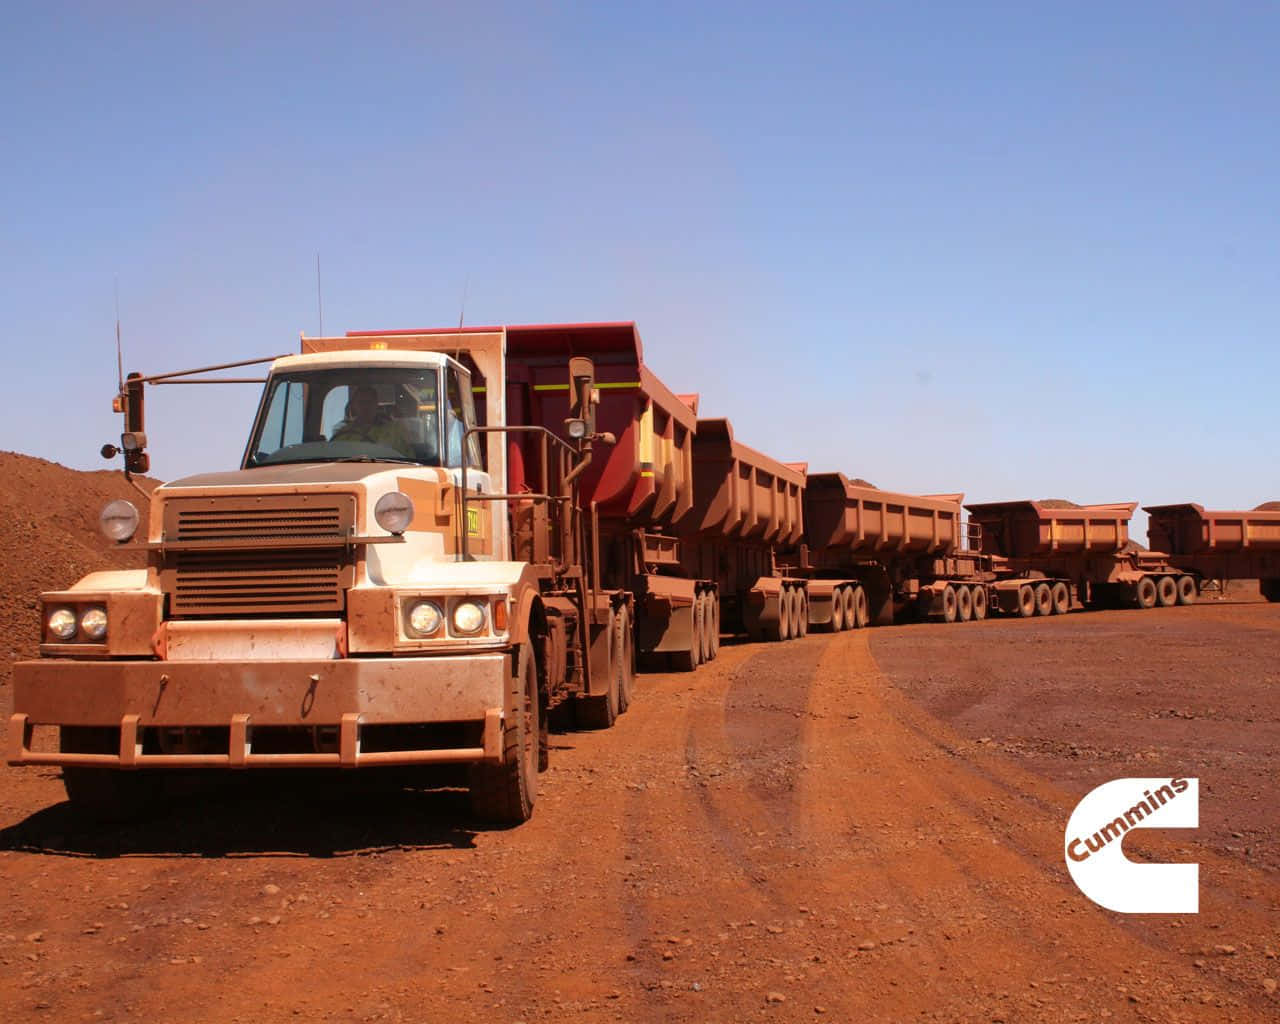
(319, 300)
(119, 350)
(462, 311)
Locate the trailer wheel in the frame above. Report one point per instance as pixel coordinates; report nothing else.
(964, 604)
(1187, 590)
(1044, 599)
(837, 611)
(707, 599)
(601, 710)
(1026, 601)
(623, 643)
(1144, 593)
(800, 623)
(1061, 598)
(979, 603)
(504, 794)
(782, 629)
(948, 604)
(861, 612)
(713, 623)
(687, 661)
(1166, 591)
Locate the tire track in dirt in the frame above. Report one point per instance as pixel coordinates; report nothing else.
(947, 835)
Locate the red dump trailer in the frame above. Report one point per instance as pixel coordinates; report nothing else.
(1220, 545)
(903, 552)
(1044, 553)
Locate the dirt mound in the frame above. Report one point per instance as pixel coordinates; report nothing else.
(49, 538)
(1057, 503)
(1268, 506)
(857, 481)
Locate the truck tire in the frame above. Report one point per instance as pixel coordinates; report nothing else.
(1026, 601)
(107, 794)
(964, 604)
(623, 643)
(781, 630)
(800, 618)
(1044, 599)
(688, 661)
(705, 634)
(713, 628)
(861, 609)
(504, 794)
(837, 612)
(1061, 598)
(948, 604)
(1166, 591)
(1144, 594)
(979, 603)
(601, 710)
(1187, 590)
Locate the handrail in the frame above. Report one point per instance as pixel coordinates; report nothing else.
(568, 450)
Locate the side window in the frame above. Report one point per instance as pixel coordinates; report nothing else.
(283, 424)
(459, 415)
(474, 448)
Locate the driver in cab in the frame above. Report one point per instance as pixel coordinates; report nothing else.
(363, 423)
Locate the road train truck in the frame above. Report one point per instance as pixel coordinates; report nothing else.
(401, 572)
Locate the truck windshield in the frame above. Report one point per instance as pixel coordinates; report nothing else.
(349, 414)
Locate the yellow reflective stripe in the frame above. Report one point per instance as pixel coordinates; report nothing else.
(609, 385)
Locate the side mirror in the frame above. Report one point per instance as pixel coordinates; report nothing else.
(133, 441)
(583, 396)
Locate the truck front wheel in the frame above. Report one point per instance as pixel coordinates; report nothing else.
(504, 794)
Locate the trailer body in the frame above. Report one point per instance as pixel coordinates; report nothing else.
(1220, 545)
(1046, 554)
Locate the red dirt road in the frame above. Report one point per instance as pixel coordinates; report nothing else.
(860, 827)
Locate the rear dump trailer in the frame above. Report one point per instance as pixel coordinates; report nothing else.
(1220, 545)
(1044, 556)
(907, 555)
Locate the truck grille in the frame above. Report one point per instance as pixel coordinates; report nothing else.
(256, 523)
(253, 566)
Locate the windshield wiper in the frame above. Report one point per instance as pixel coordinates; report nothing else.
(374, 458)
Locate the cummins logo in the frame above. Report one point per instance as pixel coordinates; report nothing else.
(1095, 841)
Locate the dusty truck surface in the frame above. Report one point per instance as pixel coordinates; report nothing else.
(363, 591)
(1221, 545)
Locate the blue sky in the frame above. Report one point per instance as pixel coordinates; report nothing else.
(1020, 250)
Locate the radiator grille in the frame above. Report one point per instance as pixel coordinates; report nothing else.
(268, 575)
(258, 523)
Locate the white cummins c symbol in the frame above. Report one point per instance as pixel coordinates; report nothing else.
(1095, 837)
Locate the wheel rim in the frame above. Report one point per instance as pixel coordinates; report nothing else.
(784, 615)
(964, 604)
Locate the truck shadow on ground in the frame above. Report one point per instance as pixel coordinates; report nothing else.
(263, 817)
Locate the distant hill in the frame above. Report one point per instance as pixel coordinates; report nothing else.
(49, 538)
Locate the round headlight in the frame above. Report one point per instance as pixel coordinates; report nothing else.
(576, 429)
(119, 520)
(425, 618)
(62, 623)
(394, 512)
(93, 623)
(468, 617)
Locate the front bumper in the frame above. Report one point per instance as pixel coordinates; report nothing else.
(341, 694)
